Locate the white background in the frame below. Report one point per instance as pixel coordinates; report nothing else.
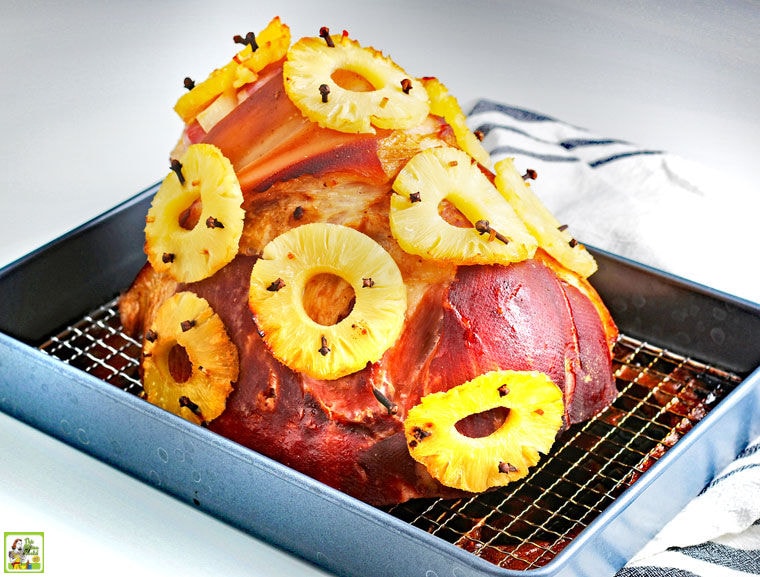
(86, 90)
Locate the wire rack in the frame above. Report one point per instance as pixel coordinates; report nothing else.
(527, 523)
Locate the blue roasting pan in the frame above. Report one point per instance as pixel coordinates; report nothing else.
(61, 283)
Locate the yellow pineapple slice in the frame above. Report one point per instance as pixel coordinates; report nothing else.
(195, 221)
(379, 93)
(533, 407)
(280, 279)
(542, 224)
(271, 45)
(190, 104)
(189, 362)
(445, 104)
(435, 175)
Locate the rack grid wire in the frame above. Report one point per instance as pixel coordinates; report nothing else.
(525, 524)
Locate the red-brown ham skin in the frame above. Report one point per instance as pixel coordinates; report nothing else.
(488, 317)
(461, 321)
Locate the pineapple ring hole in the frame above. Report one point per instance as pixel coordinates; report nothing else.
(189, 217)
(180, 367)
(328, 298)
(352, 81)
(452, 215)
(483, 424)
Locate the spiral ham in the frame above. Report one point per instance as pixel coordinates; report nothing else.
(461, 320)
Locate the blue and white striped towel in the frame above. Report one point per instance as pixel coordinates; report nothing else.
(716, 535)
(656, 208)
(648, 205)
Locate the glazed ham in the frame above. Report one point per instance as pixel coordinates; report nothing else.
(461, 320)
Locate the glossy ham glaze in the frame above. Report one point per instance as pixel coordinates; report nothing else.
(461, 321)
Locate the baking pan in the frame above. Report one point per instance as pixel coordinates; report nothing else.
(689, 401)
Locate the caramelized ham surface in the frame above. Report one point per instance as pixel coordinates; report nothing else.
(461, 321)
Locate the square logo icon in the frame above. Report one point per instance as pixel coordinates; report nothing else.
(24, 553)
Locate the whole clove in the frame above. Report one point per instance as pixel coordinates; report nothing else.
(483, 227)
(324, 349)
(248, 39)
(276, 285)
(507, 468)
(184, 401)
(324, 90)
(212, 222)
(385, 401)
(324, 33)
(176, 167)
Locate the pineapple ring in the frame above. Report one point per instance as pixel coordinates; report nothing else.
(309, 82)
(542, 224)
(192, 255)
(222, 84)
(445, 104)
(447, 173)
(278, 281)
(189, 361)
(475, 464)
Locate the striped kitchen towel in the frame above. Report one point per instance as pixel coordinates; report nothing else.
(641, 203)
(656, 208)
(716, 535)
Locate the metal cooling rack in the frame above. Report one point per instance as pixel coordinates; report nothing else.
(527, 523)
(98, 345)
